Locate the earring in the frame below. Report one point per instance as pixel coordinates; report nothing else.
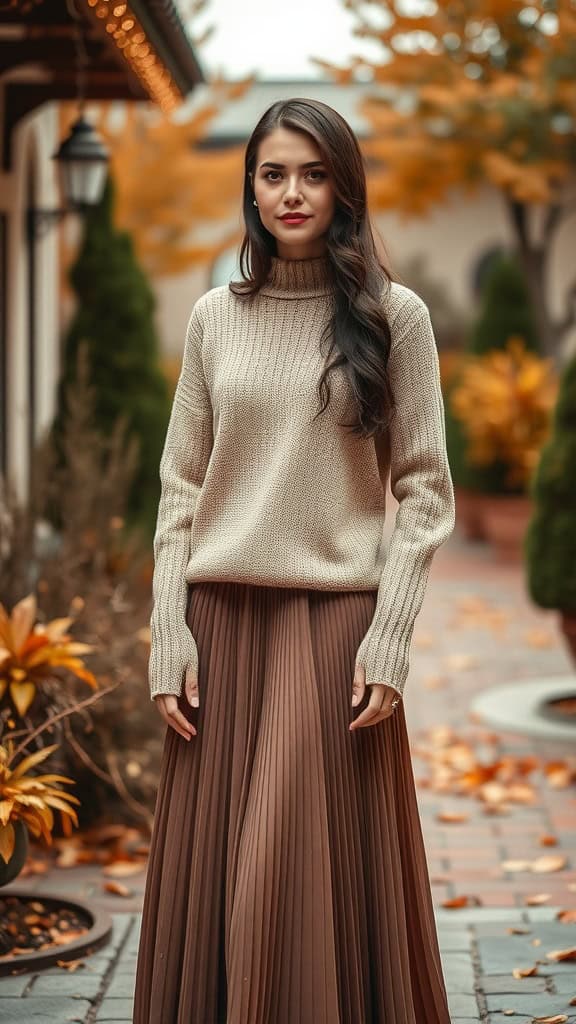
(254, 203)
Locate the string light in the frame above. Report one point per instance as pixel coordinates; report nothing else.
(132, 42)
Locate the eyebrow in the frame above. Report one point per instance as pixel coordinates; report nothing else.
(281, 167)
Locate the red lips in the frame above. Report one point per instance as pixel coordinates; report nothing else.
(295, 216)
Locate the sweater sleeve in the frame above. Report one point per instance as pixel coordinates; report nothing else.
(421, 482)
(183, 465)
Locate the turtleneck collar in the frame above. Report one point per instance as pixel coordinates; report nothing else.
(298, 279)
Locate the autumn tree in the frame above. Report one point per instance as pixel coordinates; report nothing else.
(175, 195)
(469, 92)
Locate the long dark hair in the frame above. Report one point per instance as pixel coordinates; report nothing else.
(358, 329)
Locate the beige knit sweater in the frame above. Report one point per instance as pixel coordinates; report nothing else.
(253, 492)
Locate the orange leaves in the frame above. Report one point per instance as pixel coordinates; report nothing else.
(31, 798)
(30, 654)
(170, 190)
(504, 400)
(457, 769)
(484, 84)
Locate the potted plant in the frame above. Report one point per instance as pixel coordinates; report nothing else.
(503, 400)
(27, 804)
(505, 311)
(550, 544)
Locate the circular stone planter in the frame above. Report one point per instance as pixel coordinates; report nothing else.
(523, 707)
(99, 930)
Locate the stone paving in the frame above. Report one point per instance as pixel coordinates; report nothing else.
(456, 655)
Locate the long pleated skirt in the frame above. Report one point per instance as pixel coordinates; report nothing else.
(287, 881)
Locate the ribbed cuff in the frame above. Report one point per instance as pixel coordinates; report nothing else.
(170, 657)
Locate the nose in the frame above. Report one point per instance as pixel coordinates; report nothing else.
(292, 193)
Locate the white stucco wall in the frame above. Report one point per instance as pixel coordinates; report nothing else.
(34, 142)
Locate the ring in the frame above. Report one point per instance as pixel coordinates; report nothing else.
(395, 703)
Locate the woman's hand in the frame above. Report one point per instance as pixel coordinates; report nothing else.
(167, 704)
(379, 705)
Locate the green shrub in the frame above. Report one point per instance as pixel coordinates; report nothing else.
(114, 316)
(506, 309)
(550, 543)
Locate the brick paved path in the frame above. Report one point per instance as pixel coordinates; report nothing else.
(477, 629)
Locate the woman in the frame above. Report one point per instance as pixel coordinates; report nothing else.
(287, 880)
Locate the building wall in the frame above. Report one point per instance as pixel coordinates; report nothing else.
(31, 353)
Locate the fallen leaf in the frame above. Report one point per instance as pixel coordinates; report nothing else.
(452, 817)
(117, 889)
(559, 1018)
(536, 899)
(461, 901)
(516, 865)
(460, 662)
(525, 972)
(122, 868)
(548, 863)
(566, 916)
(71, 965)
(547, 840)
(562, 954)
(539, 638)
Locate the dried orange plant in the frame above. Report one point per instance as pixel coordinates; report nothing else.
(504, 400)
(30, 798)
(31, 653)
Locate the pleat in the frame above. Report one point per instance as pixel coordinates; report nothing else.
(287, 880)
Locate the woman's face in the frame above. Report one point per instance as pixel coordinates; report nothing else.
(294, 193)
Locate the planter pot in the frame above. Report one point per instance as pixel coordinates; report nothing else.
(506, 519)
(470, 513)
(568, 627)
(16, 863)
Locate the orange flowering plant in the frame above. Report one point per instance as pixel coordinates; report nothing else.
(31, 653)
(30, 798)
(504, 400)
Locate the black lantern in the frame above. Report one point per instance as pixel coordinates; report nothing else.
(83, 162)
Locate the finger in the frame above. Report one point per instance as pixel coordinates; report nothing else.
(358, 686)
(181, 724)
(168, 707)
(366, 716)
(191, 688)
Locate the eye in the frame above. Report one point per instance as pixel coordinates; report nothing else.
(319, 175)
(268, 173)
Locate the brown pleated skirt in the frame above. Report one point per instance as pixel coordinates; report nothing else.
(287, 880)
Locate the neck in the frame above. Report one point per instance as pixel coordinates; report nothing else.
(299, 278)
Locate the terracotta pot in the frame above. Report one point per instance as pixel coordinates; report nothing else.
(506, 519)
(470, 513)
(17, 860)
(568, 627)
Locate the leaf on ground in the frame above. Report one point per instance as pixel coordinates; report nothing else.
(461, 901)
(452, 817)
(549, 862)
(71, 965)
(525, 972)
(537, 898)
(461, 662)
(548, 840)
(566, 916)
(562, 954)
(122, 868)
(117, 889)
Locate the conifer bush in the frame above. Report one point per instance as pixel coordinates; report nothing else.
(550, 542)
(115, 318)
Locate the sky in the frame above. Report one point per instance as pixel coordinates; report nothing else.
(274, 40)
